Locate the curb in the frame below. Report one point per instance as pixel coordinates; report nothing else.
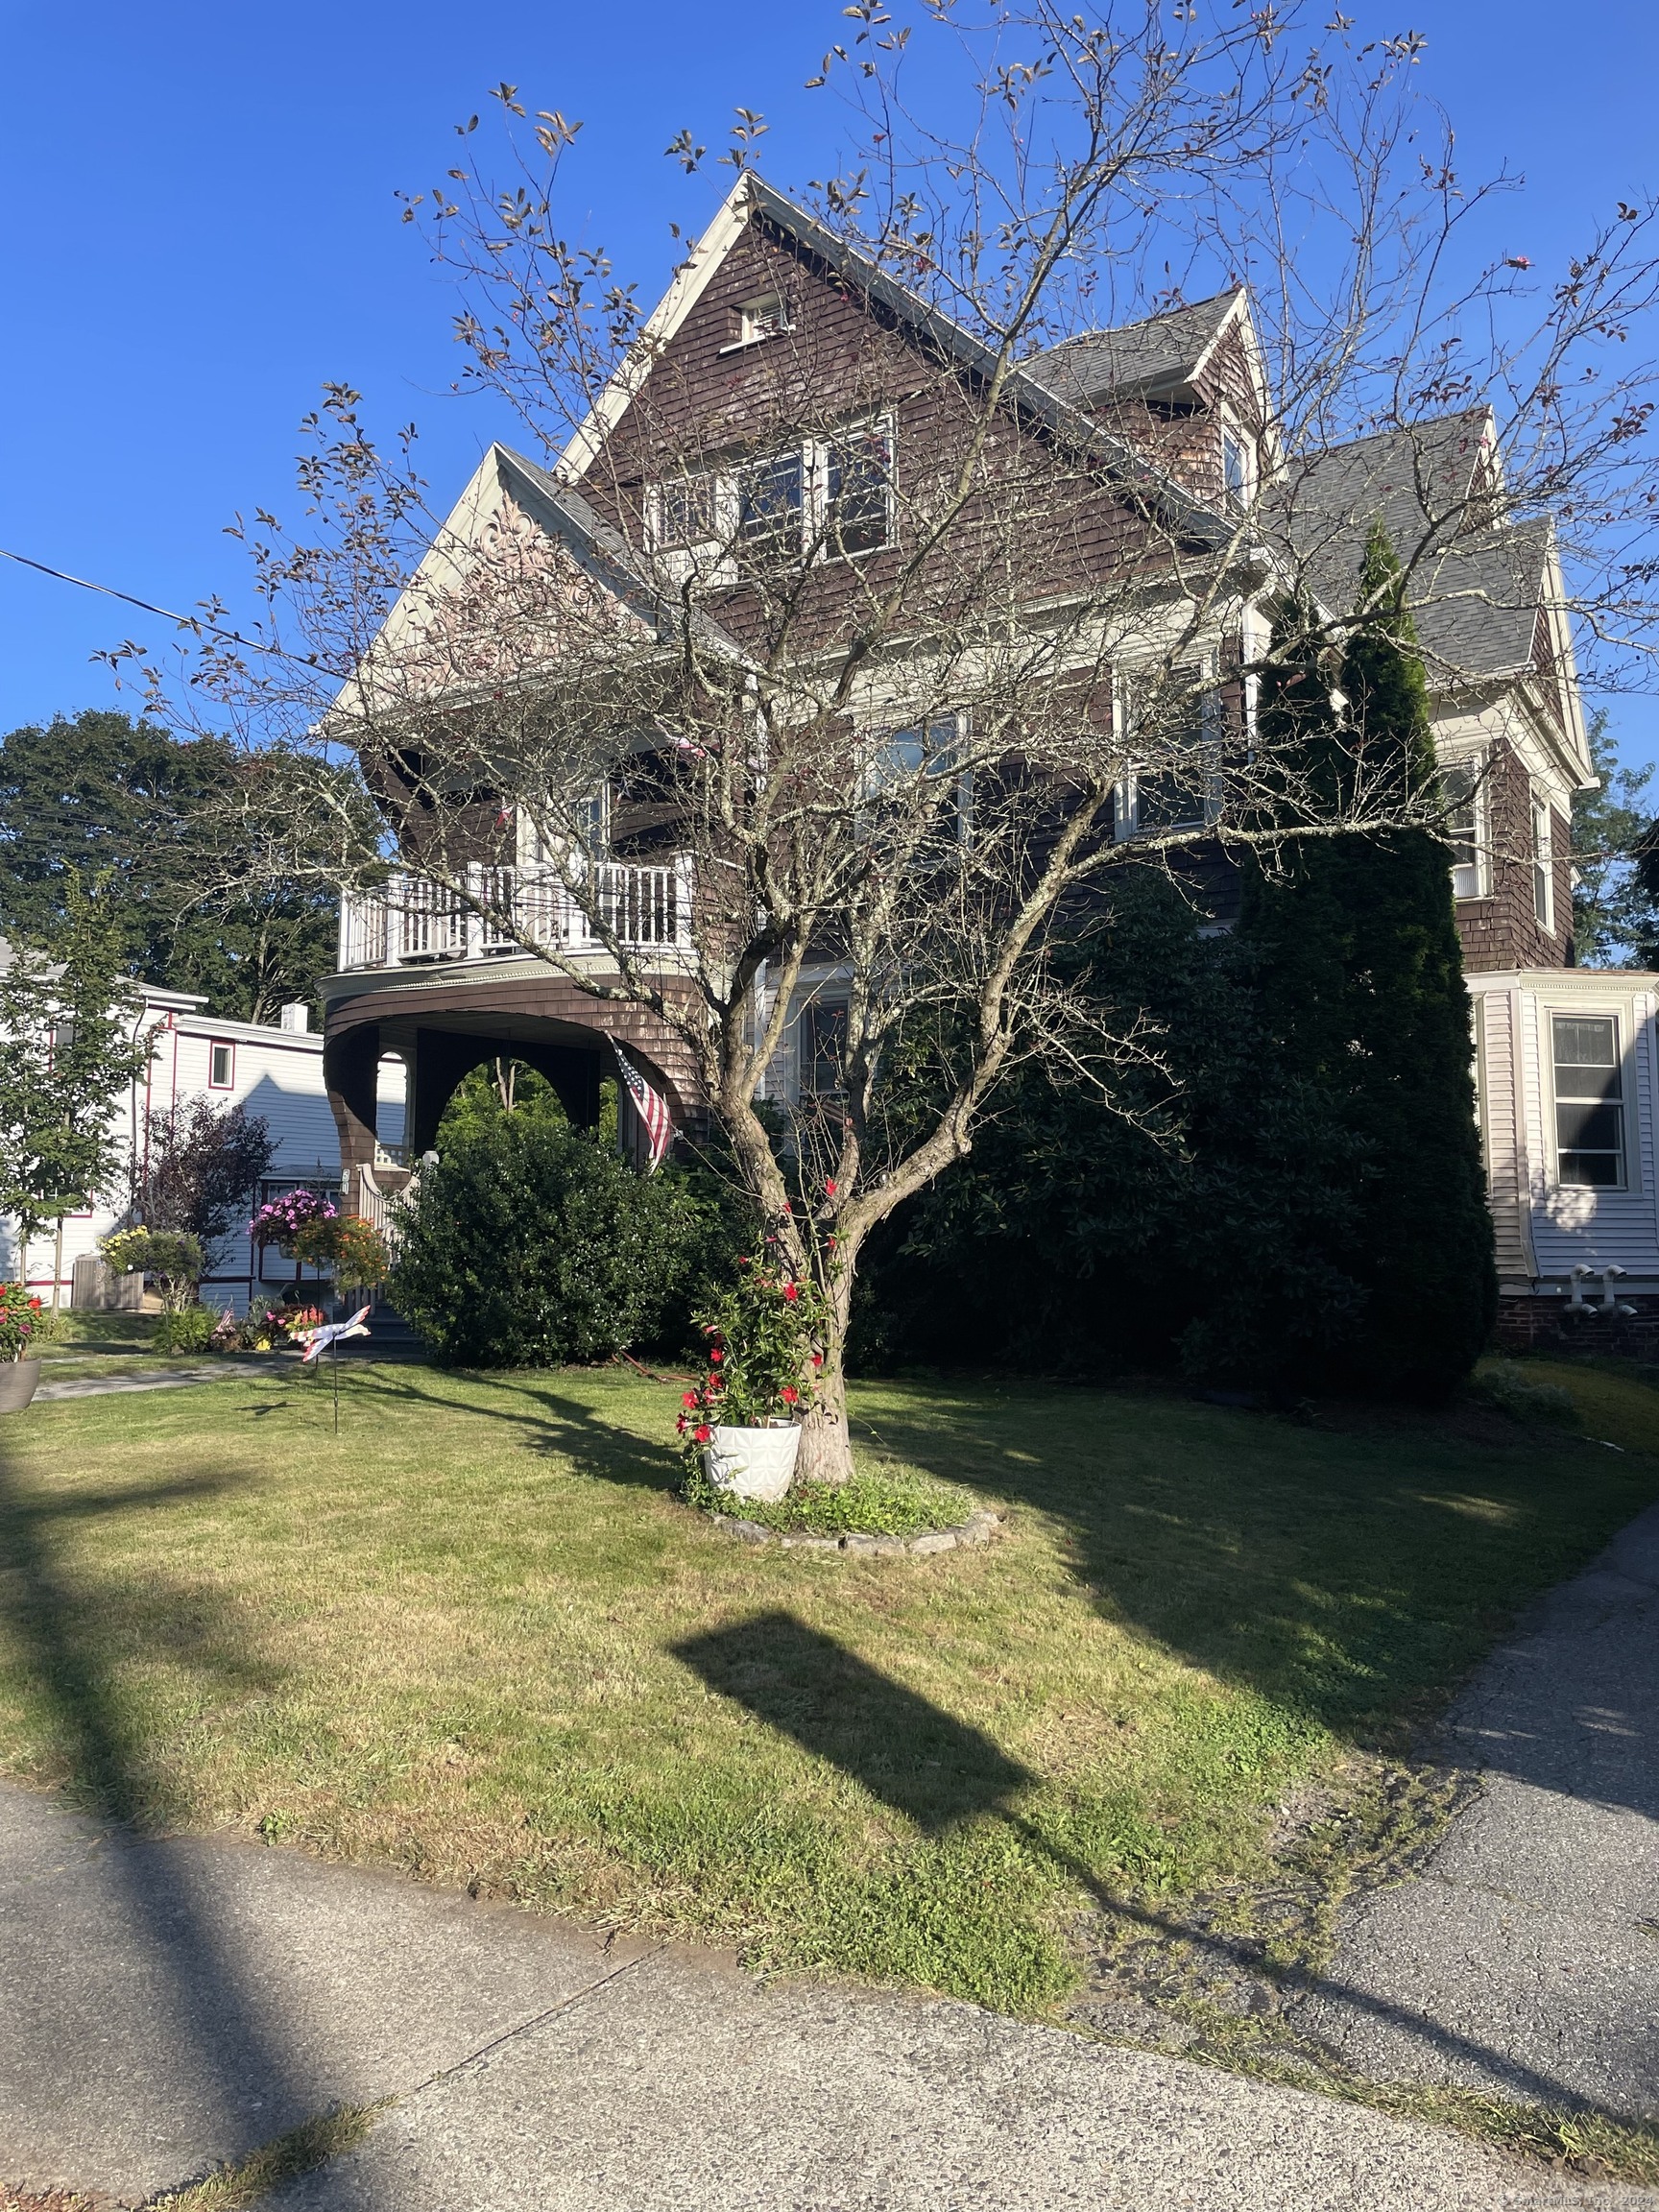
(979, 1529)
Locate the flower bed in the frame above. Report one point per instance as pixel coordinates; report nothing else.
(979, 1529)
(890, 1508)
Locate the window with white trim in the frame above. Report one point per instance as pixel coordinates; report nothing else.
(831, 494)
(1589, 1083)
(221, 1067)
(820, 1048)
(1177, 787)
(1462, 788)
(1237, 474)
(766, 316)
(1543, 870)
(926, 750)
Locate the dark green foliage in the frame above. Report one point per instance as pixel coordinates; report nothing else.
(1614, 861)
(491, 1093)
(532, 1244)
(1363, 988)
(1297, 1202)
(1206, 1225)
(171, 827)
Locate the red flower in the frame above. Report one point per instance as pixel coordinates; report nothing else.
(791, 1291)
(715, 1353)
(35, 1304)
(828, 1187)
(817, 1358)
(689, 1399)
(789, 1393)
(701, 1432)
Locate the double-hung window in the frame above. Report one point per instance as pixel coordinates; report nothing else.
(1462, 791)
(913, 758)
(771, 509)
(221, 1065)
(858, 488)
(831, 497)
(1172, 786)
(821, 1046)
(1589, 1101)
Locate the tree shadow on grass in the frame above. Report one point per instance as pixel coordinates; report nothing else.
(551, 1422)
(196, 2028)
(938, 1771)
(902, 1749)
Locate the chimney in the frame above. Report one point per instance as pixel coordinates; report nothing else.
(296, 1015)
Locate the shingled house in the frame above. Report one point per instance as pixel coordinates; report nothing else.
(1174, 412)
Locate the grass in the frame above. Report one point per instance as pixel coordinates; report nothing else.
(878, 1501)
(479, 1637)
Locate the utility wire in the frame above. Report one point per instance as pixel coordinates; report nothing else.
(196, 622)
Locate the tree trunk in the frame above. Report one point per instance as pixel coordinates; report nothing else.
(825, 1445)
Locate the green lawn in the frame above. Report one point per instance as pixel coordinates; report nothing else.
(479, 1636)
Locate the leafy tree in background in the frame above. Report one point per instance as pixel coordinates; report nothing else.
(68, 1050)
(201, 1169)
(1363, 980)
(1615, 862)
(171, 828)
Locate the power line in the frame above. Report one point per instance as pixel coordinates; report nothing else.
(196, 622)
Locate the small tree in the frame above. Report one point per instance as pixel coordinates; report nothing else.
(200, 1166)
(69, 1047)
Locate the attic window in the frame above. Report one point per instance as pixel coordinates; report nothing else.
(766, 317)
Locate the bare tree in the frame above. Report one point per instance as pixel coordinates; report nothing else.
(893, 626)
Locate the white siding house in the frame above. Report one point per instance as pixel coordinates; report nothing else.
(276, 1073)
(1567, 1071)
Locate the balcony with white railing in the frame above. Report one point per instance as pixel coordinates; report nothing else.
(410, 922)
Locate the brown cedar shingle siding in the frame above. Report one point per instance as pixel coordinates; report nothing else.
(1502, 930)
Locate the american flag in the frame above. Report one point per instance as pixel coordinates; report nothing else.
(650, 1107)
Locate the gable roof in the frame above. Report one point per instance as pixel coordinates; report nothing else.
(564, 515)
(1163, 352)
(752, 198)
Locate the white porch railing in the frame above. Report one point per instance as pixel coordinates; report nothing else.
(412, 920)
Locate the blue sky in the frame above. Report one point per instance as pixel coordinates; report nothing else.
(200, 228)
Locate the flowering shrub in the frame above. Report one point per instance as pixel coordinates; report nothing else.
(175, 1259)
(279, 1221)
(763, 1353)
(347, 1244)
(19, 1320)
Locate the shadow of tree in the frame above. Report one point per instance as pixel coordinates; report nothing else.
(216, 2041)
(900, 1747)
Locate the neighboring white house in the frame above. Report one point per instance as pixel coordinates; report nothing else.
(276, 1073)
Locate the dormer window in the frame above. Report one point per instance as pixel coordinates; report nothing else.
(765, 317)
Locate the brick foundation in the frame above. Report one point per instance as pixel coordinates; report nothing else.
(1547, 1325)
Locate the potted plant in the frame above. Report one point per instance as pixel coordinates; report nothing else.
(19, 1327)
(282, 1221)
(743, 1418)
(351, 1248)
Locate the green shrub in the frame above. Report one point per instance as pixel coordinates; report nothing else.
(531, 1244)
(878, 1504)
(1520, 1395)
(185, 1328)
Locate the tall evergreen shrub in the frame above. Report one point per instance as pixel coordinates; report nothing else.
(1362, 981)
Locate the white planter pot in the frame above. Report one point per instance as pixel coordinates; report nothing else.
(753, 1462)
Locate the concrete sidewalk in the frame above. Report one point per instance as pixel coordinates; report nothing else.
(1524, 1958)
(171, 2003)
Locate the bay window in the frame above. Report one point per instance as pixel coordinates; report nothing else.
(1589, 1101)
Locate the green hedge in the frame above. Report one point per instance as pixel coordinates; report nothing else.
(532, 1244)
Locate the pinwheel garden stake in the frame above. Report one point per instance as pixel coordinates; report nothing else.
(327, 1338)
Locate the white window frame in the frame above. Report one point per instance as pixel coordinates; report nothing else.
(767, 314)
(1240, 501)
(1127, 803)
(1543, 863)
(820, 1002)
(1623, 1059)
(718, 560)
(215, 1046)
(1476, 760)
(888, 736)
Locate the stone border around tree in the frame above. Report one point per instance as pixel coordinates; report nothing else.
(979, 1529)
